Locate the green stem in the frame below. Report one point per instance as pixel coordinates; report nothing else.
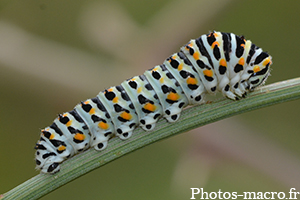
(191, 118)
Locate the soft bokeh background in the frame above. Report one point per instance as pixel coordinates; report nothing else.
(55, 53)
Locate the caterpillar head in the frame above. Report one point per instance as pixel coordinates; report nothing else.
(51, 150)
(260, 70)
(45, 159)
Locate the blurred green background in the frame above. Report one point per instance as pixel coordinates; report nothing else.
(54, 54)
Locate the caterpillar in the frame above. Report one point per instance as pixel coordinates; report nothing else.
(217, 61)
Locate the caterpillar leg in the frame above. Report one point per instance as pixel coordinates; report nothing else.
(148, 123)
(101, 146)
(173, 113)
(228, 93)
(123, 135)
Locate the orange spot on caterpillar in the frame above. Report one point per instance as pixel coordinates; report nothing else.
(115, 100)
(92, 111)
(161, 80)
(180, 66)
(173, 96)
(150, 107)
(213, 34)
(61, 148)
(208, 72)
(51, 136)
(242, 61)
(215, 43)
(126, 116)
(79, 136)
(191, 81)
(103, 125)
(266, 61)
(69, 123)
(155, 69)
(223, 62)
(196, 55)
(256, 68)
(139, 90)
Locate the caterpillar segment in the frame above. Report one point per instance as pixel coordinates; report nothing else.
(144, 100)
(213, 62)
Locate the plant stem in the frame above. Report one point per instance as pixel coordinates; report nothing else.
(191, 118)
